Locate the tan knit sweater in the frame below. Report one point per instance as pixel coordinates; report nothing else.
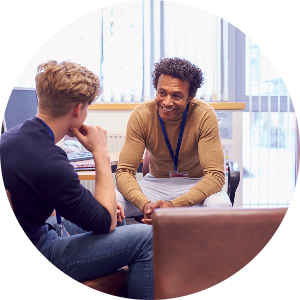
(200, 154)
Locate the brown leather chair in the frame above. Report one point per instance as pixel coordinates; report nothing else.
(114, 283)
(196, 248)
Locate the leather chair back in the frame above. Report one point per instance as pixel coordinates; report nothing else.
(197, 248)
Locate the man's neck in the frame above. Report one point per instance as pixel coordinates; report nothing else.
(58, 126)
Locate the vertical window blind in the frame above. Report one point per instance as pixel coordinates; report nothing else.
(122, 49)
(195, 35)
(269, 135)
(122, 55)
(159, 29)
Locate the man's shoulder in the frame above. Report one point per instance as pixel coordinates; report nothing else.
(201, 108)
(199, 103)
(30, 145)
(145, 110)
(146, 106)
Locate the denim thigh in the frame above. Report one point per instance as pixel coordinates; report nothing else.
(89, 255)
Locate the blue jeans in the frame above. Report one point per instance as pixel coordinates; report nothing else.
(86, 255)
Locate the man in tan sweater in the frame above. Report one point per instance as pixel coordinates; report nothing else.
(185, 152)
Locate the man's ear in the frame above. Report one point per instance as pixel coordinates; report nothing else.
(76, 110)
(190, 99)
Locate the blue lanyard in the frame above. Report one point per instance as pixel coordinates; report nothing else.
(58, 216)
(175, 159)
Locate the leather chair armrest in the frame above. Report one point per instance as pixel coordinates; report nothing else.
(197, 248)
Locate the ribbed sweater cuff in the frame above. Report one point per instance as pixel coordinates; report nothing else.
(140, 201)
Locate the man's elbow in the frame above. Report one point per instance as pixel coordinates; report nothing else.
(108, 223)
(112, 229)
(112, 226)
(105, 229)
(217, 177)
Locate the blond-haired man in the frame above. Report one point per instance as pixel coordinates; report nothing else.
(40, 179)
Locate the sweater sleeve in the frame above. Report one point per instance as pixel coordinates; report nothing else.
(58, 185)
(212, 163)
(130, 159)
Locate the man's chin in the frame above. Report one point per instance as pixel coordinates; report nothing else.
(70, 134)
(168, 116)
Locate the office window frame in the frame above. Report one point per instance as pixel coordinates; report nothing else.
(239, 39)
(259, 105)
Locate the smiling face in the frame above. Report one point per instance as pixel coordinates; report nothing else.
(172, 97)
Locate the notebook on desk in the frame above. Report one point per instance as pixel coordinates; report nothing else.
(78, 156)
(83, 165)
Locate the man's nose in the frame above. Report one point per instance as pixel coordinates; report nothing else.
(168, 100)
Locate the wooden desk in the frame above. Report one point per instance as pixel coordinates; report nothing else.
(90, 175)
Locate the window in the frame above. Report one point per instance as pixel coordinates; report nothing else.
(194, 34)
(262, 74)
(268, 158)
(79, 42)
(122, 50)
(269, 129)
(100, 41)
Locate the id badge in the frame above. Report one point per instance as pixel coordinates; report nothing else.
(178, 174)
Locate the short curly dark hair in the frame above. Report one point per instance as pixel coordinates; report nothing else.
(179, 68)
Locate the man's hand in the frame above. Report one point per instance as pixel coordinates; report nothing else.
(165, 204)
(93, 138)
(120, 213)
(151, 206)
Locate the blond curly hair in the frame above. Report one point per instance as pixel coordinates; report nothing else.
(62, 86)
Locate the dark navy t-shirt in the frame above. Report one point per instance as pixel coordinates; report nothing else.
(40, 179)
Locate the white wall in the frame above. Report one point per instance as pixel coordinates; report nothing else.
(111, 120)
